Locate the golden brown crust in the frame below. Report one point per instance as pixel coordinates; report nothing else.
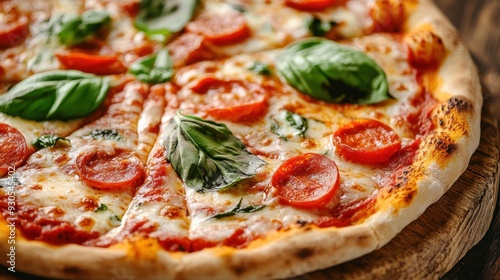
(441, 160)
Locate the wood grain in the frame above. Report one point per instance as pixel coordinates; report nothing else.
(430, 246)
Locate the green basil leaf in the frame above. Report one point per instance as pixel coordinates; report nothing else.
(77, 29)
(58, 94)
(49, 140)
(333, 72)
(317, 27)
(154, 69)
(237, 209)
(260, 68)
(102, 207)
(107, 134)
(298, 122)
(276, 129)
(164, 16)
(206, 155)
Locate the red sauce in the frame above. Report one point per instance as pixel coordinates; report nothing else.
(35, 225)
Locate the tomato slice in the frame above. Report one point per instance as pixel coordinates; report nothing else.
(189, 48)
(229, 28)
(310, 5)
(366, 141)
(91, 63)
(14, 31)
(13, 148)
(232, 100)
(110, 171)
(307, 181)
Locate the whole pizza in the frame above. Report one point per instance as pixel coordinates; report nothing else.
(223, 139)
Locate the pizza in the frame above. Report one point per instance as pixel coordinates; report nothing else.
(224, 138)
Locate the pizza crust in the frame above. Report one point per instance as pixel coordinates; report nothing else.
(303, 249)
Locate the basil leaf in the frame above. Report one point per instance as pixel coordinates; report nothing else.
(153, 69)
(206, 155)
(332, 72)
(298, 122)
(294, 120)
(317, 27)
(164, 16)
(260, 68)
(102, 207)
(77, 29)
(58, 94)
(49, 140)
(276, 129)
(108, 134)
(237, 209)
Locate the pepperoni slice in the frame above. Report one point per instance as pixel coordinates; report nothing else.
(307, 181)
(189, 48)
(91, 63)
(366, 141)
(232, 100)
(228, 28)
(110, 171)
(14, 31)
(310, 5)
(13, 148)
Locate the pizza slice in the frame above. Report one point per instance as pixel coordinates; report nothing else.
(79, 187)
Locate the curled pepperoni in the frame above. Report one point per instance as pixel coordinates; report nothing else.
(233, 100)
(307, 180)
(14, 31)
(189, 48)
(366, 141)
(91, 63)
(228, 28)
(13, 148)
(310, 5)
(110, 171)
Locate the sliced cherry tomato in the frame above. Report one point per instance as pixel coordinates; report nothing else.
(232, 100)
(307, 180)
(107, 171)
(228, 28)
(310, 5)
(366, 141)
(189, 48)
(91, 63)
(13, 148)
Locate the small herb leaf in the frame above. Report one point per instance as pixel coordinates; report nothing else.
(57, 94)
(164, 16)
(318, 27)
(206, 155)
(102, 207)
(260, 68)
(276, 129)
(153, 69)
(237, 209)
(49, 140)
(77, 29)
(333, 72)
(107, 134)
(298, 122)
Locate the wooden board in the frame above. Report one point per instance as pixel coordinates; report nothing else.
(430, 246)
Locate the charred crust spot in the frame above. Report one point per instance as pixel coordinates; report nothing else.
(460, 104)
(408, 196)
(304, 253)
(301, 223)
(72, 270)
(443, 144)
